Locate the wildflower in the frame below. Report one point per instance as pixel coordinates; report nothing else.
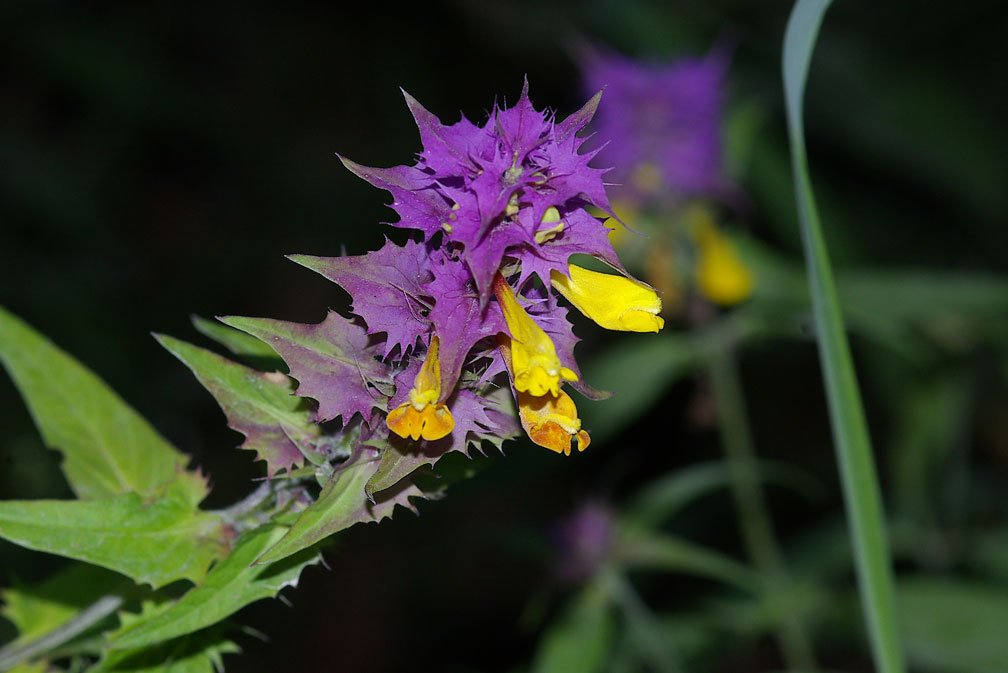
(614, 302)
(495, 205)
(661, 123)
(584, 540)
(424, 415)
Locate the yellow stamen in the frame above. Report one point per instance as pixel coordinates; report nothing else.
(424, 415)
(721, 275)
(537, 369)
(552, 421)
(614, 302)
(549, 217)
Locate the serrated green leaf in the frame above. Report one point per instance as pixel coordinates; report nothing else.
(108, 448)
(341, 504)
(245, 346)
(277, 425)
(398, 459)
(156, 541)
(200, 652)
(38, 609)
(229, 586)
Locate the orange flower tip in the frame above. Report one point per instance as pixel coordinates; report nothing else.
(552, 422)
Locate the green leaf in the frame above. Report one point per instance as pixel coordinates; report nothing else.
(246, 347)
(862, 495)
(399, 458)
(156, 541)
(108, 448)
(341, 504)
(277, 425)
(229, 586)
(954, 626)
(667, 553)
(200, 652)
(638, 371)
(38, 609)
(665, 497)
(581, 639)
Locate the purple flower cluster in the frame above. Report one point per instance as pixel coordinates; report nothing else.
(499, 208)
(661, 123)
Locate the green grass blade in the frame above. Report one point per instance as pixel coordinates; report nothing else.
(850, 433)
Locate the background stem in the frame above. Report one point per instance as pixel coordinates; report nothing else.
(754, 517)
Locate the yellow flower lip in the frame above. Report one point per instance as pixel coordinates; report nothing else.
(551, 421)
(614, 302)
(536, 368)
(424, 415)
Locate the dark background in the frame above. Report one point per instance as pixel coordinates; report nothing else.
(158, 160)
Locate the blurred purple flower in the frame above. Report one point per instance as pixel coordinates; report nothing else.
(661, 123)
(583, 540)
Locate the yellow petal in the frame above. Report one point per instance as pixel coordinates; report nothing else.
(536, 367)
(552, 421)
(427, 384)
(433, 422)
(423, 416)
(614, 302)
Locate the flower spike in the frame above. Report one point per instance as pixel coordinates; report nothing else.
(614, 302)
(536, 367)
(424, 415)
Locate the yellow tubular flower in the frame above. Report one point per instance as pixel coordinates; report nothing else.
(537, 369)
(424, 416)
(721, 276)
(552, 421)
(614, 302)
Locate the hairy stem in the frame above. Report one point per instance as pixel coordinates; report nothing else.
(85, 619)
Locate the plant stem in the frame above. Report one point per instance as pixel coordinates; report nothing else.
(754, 517)
(862, 496)
(83, 620)
(641, 621)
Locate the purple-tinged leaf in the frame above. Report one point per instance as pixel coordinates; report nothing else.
(386, 287)
(414, 198)
(578, 120)
(333, 362)
(458, 319)
(276, 424)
